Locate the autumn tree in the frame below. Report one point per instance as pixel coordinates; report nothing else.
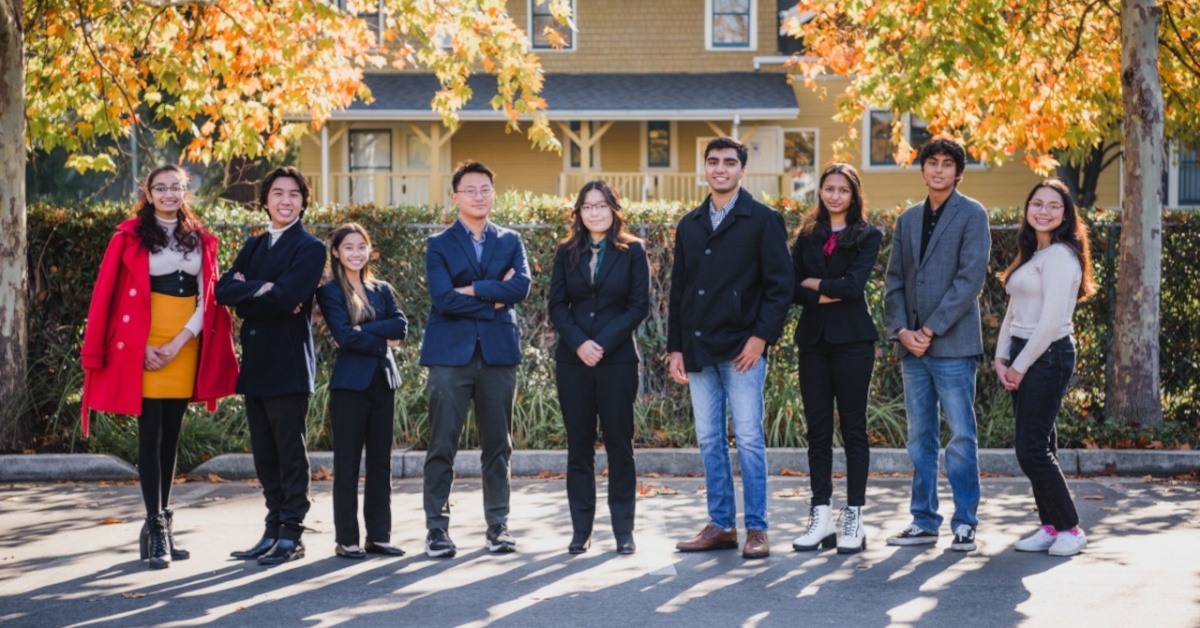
(1049, 81)
(226, 79)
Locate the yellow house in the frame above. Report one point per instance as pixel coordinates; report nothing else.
(634, 97)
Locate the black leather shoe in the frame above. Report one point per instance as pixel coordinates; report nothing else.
(284, 550)
(263, 546)
(625, 544)
(386, 549)
(341, 550)
(580, 542)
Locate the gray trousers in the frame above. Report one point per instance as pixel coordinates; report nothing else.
(451, 391)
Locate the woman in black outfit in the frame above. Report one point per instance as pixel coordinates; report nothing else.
(599, 294)
(833, 256)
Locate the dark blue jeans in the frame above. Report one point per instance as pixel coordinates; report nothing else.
(1035, 407)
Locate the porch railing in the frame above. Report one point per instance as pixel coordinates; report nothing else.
(380, 188)
(686, 186)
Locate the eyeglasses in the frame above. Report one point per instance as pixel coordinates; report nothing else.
(481, 192)
(1051, 207)
(174, 189)
(599, 207)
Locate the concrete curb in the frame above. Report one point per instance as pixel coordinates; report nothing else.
(410, 464)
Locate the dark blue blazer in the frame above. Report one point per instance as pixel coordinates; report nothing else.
(607, 311)
(456, 321)
(361, 351)
(843, 276)
(277, 343)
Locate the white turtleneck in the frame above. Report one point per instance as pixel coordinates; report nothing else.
(172, 260)
(276, 233)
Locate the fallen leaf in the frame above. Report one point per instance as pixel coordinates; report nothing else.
(549, 475)
(666, 490)
(110, 521)
(651, 475)
(1147, 479)
(1098, 498)
(323, 473)
(862, 567)
(240, 608)
(786, 494)
(134, 595)
(214, 478)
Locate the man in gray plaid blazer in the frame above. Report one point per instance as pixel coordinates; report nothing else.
(938, 262)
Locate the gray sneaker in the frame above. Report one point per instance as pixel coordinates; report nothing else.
(913, 536)
(439, 545)
(964, 538)
(499, 541)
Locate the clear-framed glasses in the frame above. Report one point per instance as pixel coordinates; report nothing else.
(163, 189)
(597, 207)
(1050, 207)
(480, 192)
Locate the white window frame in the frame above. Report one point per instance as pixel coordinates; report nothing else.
(1174, 156)
(645, 147)
(867, 166)
(816, 152)
(708, 30)
(351, 194)
(541, 49)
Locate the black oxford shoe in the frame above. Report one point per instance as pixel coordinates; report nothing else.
(580, 542)
(387, 549)
(284, 551)
(625, 544)
(263, 546)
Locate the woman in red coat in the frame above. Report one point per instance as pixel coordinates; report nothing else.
(155, 339)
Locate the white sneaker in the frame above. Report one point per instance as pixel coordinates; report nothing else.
(853, 536)
(1068, 544)
(1040, 541)
(819, 532)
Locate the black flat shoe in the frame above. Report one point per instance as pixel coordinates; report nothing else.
(341, 550)
(625, 544)
(580, 542)
(383, 548)
(285, 550)
(263, 546)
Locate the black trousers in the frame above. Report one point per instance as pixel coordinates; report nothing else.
(363, 418)
(279, 436)
(452, 389)
(158, 448)
(606, 391)
(1035, 408)
(841, 374)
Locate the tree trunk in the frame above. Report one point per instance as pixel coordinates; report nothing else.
(1136, 393)
(13, 295)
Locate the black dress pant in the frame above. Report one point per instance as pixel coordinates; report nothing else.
(363, 418)
(452, 390)
(158, 447)
(838, 373)
(1035, 408)
(279, 435)
(606, 391)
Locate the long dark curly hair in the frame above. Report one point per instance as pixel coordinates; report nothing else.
(816, 224)
(579, 238)
(153, 236)
(1072, 232)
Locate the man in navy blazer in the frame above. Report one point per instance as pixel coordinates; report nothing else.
(476, 273)
(271, 286)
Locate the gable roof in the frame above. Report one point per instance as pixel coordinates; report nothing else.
(667, 96)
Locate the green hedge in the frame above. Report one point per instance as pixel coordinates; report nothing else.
(66, 244)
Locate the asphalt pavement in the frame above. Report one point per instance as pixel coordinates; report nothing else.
(68, 557)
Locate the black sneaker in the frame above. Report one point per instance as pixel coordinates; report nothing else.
(499, 541)
(964, 538)
(439, 545)
(913, 536)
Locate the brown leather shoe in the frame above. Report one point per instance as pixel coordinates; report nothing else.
(757, 545)
(712, 537)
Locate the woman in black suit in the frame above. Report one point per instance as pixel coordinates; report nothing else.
(365, 322)
(833, 256)
(599, 294)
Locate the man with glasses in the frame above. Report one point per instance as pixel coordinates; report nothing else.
(476, 273)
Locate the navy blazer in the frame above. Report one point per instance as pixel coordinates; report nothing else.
(277, 343)
(843, 276)
(729, 284)
(607, 311)
(361, 351)
(458, 322)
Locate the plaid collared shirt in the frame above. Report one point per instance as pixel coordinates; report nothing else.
(718, 214)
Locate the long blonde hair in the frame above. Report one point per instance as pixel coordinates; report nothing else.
(360, 310)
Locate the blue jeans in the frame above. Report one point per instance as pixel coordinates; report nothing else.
(946, 384)
(710, 389)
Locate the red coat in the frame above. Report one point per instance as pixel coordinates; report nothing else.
(118, 326)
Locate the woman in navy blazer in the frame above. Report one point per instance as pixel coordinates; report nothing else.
(362, 315)
(599, 294)
(833, 257)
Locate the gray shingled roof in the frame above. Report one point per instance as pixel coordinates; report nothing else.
(750, 95)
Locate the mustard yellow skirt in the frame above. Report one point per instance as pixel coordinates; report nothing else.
(177, 379)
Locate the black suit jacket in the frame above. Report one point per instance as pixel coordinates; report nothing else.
(608, 311)
(277, 343)
(729, 284)
(361, 351)
(844, 276)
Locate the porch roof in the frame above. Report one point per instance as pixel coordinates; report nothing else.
(673, 96)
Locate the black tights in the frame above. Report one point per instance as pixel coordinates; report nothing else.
(158, 446)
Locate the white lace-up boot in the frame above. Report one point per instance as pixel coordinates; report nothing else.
(819, 532)
(852, 538)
